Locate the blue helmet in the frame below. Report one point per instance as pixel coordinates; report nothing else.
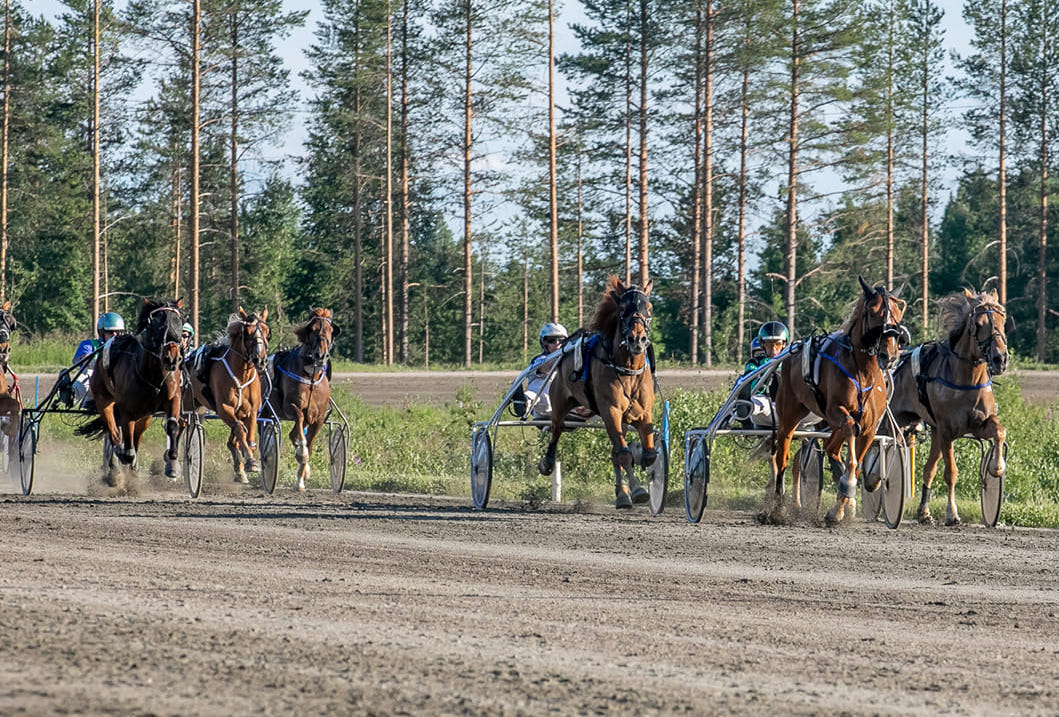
(756, 349)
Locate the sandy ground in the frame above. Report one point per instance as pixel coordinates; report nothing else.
(380, 605)
(240, 603)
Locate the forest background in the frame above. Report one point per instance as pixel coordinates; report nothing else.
(751, 157)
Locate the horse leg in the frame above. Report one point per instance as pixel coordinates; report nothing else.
(547, 462)
(236, 440)
(930, 468)
(775, 509)
(992, 430)
(311, 431)
(172, 439)
(250, 429)
(620, 457)
(301, 451)
(643, 455)
(952, 515)
(847, 479)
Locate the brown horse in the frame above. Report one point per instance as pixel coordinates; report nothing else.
(301, 384)
(844, 384)
(229, 383)
(10, 397)
(136, 376)
(948, 385)
(615, 380)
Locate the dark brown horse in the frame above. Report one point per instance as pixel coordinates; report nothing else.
(229, 383)
(948, 384)
(615, 380)
(136, 376)
(301, 384)
(10, 398)
(845, 385)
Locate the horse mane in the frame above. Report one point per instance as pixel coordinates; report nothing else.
(605, 320)
(957, 306)
(855, 314)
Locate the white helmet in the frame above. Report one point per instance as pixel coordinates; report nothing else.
(552, 330)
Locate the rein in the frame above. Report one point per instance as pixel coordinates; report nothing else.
(861, 390)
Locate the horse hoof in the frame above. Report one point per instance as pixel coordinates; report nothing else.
(640, 495)
(300, 487)
(623, 500)
(242, 479)
(872, 482)
(252, 466)
(925, 519)
(952, 521)
(545, 467)
(172, 470)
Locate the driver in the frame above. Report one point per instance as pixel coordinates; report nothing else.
(108, 326)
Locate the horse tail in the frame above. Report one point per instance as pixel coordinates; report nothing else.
(92, 429)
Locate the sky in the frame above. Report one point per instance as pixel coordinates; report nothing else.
(957, 38)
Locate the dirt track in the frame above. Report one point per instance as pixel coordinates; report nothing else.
(376, 604)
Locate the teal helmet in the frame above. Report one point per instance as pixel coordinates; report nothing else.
(110, 321)
(188, 329)
(773, 331)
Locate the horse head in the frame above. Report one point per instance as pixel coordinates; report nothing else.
(158, 330)
(253, 333)
(881, 332)
(634, 315)
(987, 332)
(7, 325)
(317, 338)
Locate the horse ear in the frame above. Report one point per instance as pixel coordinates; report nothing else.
(241, 312)
(967, 292)
(7, 305)
(264, 313)
(868, 291)
(648, 286)
(180, 303)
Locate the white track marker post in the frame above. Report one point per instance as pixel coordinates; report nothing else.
(557, 483)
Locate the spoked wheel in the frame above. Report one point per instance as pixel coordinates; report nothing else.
(992, 485)
(658, 476)
(811, 474)
(27, 451)
(893, 482)
(194, 443)
(696, 477)
(269, 447)
(336, 449)
(871, 501)
(481, 467)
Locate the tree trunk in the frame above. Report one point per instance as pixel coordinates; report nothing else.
(96, 218)
(645, 269)
(4, 148)
(707, 185)
(553, 194)
(890, 151)
(406, 201)
(1002, 179)
(233, 160)
(628, 144)
(196, 80)
(924, 203)
(792, 180)
(744, 155)
(388, 234)
(696, 198)
(1042, 247)
(468, 303)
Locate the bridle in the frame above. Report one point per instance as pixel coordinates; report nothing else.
(634, 308)
(890, 327)
(309, 348)
(991, 339)
(148, 336)
(255, 341)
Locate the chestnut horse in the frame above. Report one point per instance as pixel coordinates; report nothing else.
(845, 385)
(948, 384)
(136, 376)
(301, 384)
(229, 383)
(615, 380)
(10, 398)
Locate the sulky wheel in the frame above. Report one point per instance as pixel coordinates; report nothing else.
(992, 485)
(194, 443)
(269, 447)
(893, 482)
(871, 501)
(27, 451)
(658, 475)
(336, 451)
(810, 474)
(481, 467)
(696, 476)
